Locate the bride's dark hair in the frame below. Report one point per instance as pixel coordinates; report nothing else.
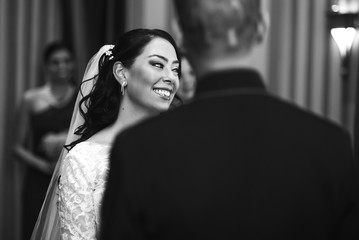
(103, 101)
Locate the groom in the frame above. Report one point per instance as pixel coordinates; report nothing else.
(237, 162)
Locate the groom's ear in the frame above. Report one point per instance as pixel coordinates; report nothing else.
(119, 71)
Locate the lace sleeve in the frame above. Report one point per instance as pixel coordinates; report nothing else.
(76, 201)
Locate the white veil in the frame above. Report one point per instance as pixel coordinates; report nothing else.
(47, 226)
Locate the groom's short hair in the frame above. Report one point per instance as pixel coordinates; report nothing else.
(210, 23)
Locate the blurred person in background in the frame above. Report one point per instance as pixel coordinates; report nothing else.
(187, 86)
(254, 165)
(44, 115)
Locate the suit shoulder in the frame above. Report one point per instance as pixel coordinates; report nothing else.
(308, 115)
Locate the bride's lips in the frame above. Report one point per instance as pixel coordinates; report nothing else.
(164, 93)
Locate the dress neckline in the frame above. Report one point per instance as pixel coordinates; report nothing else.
(95, 143)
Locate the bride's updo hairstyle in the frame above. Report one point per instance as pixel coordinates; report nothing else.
(100, 107)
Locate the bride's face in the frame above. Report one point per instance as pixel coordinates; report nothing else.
(153, 79)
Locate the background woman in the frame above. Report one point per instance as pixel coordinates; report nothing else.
(44, 116)
(188, 84)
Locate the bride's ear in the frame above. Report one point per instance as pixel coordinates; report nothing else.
(119, 71)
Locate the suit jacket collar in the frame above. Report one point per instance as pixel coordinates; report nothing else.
(230, 80)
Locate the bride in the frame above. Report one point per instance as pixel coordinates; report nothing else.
(123, 84)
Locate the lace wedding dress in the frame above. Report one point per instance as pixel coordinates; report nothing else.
(82, 182)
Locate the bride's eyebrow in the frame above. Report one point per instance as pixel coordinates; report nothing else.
(159, 56)
(162, 57)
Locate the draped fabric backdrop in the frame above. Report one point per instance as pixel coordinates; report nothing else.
(26, 26)
(304, 61)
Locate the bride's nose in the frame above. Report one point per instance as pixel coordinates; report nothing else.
(170, 77)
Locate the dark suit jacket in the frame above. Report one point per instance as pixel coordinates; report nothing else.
(236, 163)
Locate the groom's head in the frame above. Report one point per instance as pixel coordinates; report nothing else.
(218, 27)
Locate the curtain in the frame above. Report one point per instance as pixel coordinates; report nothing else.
(304, 63)
(26, 26)
(354, 106)
(22, 34)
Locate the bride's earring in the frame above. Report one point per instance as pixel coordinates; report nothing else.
(123, 86)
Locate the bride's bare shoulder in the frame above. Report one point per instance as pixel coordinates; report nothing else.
(104, 137)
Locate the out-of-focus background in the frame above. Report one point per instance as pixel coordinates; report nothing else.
(299, 60)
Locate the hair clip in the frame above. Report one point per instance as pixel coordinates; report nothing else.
(109, 52)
